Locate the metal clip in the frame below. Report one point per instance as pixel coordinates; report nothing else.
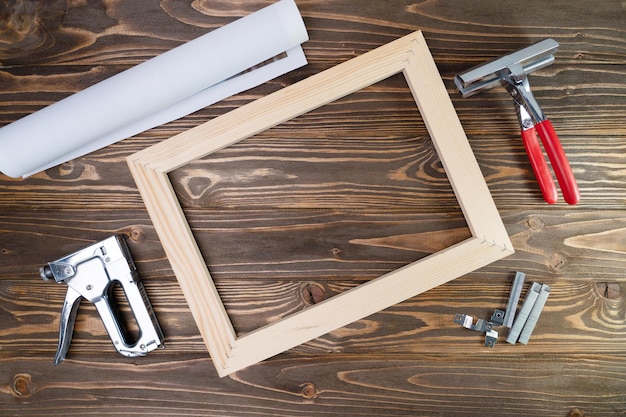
(499, 317)
(491, 337)
(468, 322)
(482, 326)
(92, 273)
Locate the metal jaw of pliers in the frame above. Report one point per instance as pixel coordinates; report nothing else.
(533, 121)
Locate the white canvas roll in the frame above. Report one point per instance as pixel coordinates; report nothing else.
(162, 89)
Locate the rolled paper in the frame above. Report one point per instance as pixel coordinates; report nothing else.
(164, 88)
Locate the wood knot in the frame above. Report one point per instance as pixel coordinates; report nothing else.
(576, 413)
(136, 234)
(610, 290)
(557, 261)
(198, 186)
(535, 223)
(22, 386)
(26, 26)
(311, 293)
(69, 171)
(68, 168)
(309, 391)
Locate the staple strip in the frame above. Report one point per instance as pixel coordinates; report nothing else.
(516, 291)
(531, 322)
(529, 302)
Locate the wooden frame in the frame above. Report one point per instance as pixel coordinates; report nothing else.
(489, 241)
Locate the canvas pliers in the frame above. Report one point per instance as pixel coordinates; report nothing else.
(532, 121)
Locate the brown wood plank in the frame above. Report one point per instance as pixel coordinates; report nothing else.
(368, 150)
(320, 205)
(127, 33)
(338, 385)
(364, 244)
(580, 318)
(268, 264)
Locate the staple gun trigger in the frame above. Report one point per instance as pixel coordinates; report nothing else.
(92, 273)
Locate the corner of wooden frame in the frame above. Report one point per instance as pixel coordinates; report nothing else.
(185, 258)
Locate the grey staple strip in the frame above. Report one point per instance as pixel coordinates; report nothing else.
(511, 306)
(529, 301)
(531, 322)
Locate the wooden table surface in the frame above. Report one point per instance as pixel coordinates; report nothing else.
(321, 204)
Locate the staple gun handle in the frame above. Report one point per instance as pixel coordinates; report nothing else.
(539, 165)
(560, 164)
(150, 336)
(66, 328)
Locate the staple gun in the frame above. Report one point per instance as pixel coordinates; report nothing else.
(92, 273)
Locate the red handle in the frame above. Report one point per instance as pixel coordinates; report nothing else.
(539, 165)
(560, 165)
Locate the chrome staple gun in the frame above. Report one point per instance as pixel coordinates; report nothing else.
(92, 273)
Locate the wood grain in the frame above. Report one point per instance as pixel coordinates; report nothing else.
(338, 385)
(599, 170)
(261, 277)
(580, 317)
(357, 214)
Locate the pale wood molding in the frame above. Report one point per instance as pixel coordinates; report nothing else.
(489, 241)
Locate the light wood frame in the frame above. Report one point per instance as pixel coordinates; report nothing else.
(489, 241)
